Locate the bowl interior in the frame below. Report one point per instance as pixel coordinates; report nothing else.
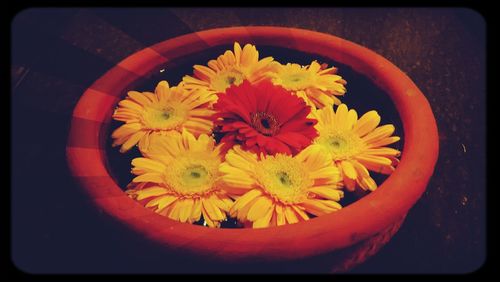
(362, 95)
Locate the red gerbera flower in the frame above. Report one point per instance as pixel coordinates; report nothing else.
(264, 118)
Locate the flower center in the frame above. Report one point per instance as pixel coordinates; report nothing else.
(225, 79)
(195, 175)
(284, 178)
(164, 117)
(296, 80)
(192, 174)
(265, 123)
(341, 145)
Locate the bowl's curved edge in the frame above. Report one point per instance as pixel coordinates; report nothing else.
(373, 213)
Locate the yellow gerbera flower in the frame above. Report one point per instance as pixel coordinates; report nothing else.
(167, 109)
(356, 145)
(281, 189)
(316, 86)
(233, 67)
(182, 177)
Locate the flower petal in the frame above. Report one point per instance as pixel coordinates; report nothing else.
(367, 123)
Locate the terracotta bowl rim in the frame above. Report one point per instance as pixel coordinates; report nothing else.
(372, 214)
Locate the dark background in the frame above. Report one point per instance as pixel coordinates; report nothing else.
(58, 53)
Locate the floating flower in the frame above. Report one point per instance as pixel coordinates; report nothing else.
(356, 145)
(167, 109)
(179, 178)
(264, 118)
(315, 85)
(281, 189)
(231, 68)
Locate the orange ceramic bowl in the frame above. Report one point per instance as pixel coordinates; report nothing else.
(347, 236)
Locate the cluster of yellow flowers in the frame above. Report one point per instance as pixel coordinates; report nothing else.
(185, 174)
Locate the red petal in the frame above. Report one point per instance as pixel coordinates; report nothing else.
(275, 146)
(296, 140)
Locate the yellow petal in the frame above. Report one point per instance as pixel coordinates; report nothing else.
(243, 212)
(206, 217)
(126, 130)
(259, 208)
(140, 98)
(316, 207)
(290, 215)
(161, 202)
(237, 53)
(150, 192)
(376, 163)
(384, 151)
(132, 141)
(175, 212)
(300, 212)
(196, 210)
(213, 211)
(352, 118)
(130, 104)
(368, 183)
(314, 66)
(144, 142)
(214, 65)
(264, 220)
(162, 90)
(280, 215)
(328, 193)
(228, 58)
(143, 165)
(360, 169)
(328, 116)
(331, 204)
(203, 72)
(336, 101)
(223, 204)
(244, 200)
(313, 158)
(185, 209)
(383, 142)
(236, 180)
(188, 139)
(248, 55)
(367, 123)
(193, 82)
(149, 177)
(379, 133)
(329, 173)
(348, 169)
(341, 115)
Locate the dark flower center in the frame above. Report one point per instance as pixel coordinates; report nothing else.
(265, 123)
(166, 115)
(284, 179)
(231, 80)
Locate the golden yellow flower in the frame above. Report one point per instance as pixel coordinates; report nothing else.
(316, 86)
(356, 146)
(181, 180)
(280, 189)
(230, 68)
(168, 109)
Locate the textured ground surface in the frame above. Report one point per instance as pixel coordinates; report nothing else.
(58, 53)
